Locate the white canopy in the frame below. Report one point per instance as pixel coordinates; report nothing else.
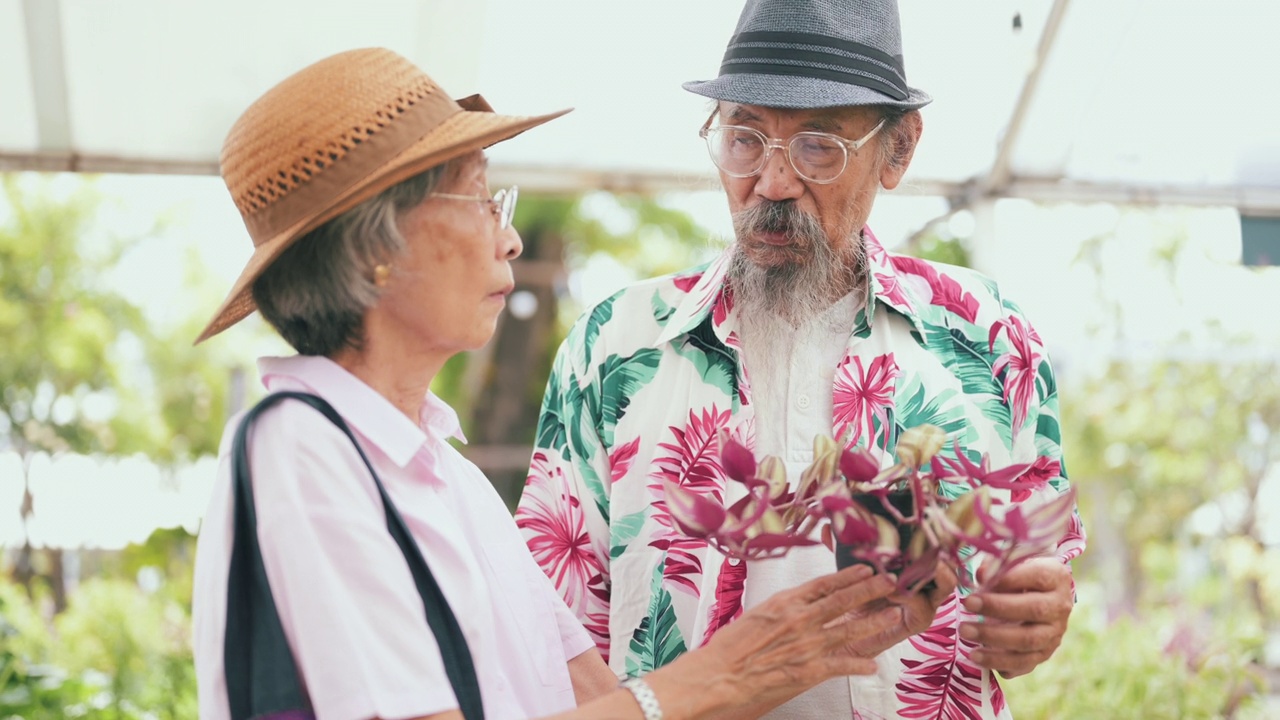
(1134, 100)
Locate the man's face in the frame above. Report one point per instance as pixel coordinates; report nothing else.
(840, 208)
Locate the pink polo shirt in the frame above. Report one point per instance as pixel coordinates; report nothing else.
(349, 608)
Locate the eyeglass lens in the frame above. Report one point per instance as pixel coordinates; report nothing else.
(743, 152)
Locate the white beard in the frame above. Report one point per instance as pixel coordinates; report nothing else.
(812, 273)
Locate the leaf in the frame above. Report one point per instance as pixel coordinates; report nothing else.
(620, 380)
(941, 410)
(728, 601)
(938, 679)
(661, 310)
(623, 530)
(600, 314)
(972, 363)
(717, 365)
(622, 458)
(657, 640)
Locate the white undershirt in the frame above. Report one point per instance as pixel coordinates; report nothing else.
(791, 371)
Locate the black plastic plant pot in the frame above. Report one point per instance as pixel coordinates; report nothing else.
(902, 501)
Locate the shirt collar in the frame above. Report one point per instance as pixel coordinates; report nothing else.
(363, 408)
(708, 293)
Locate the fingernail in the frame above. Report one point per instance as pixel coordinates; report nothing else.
(968, 631)
(973, 604)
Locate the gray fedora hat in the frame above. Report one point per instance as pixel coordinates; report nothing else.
(814, 54)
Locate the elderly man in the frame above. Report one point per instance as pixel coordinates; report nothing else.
(804, 326)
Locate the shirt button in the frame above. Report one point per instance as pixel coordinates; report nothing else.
(802, 402)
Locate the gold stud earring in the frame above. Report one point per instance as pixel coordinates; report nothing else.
(381, 274)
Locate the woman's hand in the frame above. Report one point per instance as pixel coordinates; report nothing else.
(791, 642)
(915, 612)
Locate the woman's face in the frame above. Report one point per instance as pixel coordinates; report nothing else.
(449, 286)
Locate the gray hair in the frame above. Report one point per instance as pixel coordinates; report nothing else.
(893, 141)
(317, 292)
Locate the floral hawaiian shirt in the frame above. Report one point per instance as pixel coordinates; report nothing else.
(647, 380)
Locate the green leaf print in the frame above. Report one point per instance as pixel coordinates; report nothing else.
(1047, 429)
(716, 364)
(620, 379)
(600, 314)
(971, 362)
(661, 310)
(914, 408)
(623, 531)
(1048, 387)
(657, 641)
(551, 423)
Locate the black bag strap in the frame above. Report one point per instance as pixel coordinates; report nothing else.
(262, 677)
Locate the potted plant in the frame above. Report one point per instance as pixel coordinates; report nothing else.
(893, 518)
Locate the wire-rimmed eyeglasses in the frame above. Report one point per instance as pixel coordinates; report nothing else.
(502, 204)
(815, 156)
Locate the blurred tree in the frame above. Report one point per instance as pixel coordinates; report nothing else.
(82, 371)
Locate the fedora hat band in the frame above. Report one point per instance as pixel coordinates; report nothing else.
(322, 189)
(816, 56)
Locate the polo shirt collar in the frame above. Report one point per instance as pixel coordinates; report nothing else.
(363, 408)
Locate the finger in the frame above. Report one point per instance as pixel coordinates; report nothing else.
(1031, 607)
(852, 597)
(1009, 664)
(865, 610)
(1023, 638)
(945, 580)
(1041, 574)
(868, 626)
(827, 584)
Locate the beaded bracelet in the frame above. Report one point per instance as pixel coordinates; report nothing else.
(644, 696)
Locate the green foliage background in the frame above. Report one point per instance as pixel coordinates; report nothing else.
(1147, 444)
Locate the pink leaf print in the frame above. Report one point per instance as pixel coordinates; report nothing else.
(687, 282)
(556, 532)
(938, 679)
(723, 307)
(947, 293)
(862, 396)
(1038, 476)
(692, 462)
(997, 696)
(1022, 363)
(621, 458)
(1072, 543)
(875, 251)
(892, 289)
(728, 603)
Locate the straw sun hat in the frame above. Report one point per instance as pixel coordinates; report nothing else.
(333, 135)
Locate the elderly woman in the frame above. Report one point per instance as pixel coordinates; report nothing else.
(385, 578)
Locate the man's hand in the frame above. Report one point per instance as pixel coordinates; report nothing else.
(1025, 616)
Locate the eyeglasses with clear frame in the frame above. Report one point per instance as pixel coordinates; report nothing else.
(502, 204)
(817, 157)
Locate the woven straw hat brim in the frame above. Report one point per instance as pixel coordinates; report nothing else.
(798, 93)
(462, 133)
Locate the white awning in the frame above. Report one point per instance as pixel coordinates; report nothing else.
(1134, 101)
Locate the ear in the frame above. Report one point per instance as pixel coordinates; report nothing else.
(902, 147)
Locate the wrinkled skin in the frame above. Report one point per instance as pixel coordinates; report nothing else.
(1024, 617)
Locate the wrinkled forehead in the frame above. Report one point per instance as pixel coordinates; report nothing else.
(833, 119)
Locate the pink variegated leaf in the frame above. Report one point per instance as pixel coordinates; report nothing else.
(918, 445)
(737, 460)
(859, 465)
(696, 515)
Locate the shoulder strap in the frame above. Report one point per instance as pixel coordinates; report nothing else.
(262, 677)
